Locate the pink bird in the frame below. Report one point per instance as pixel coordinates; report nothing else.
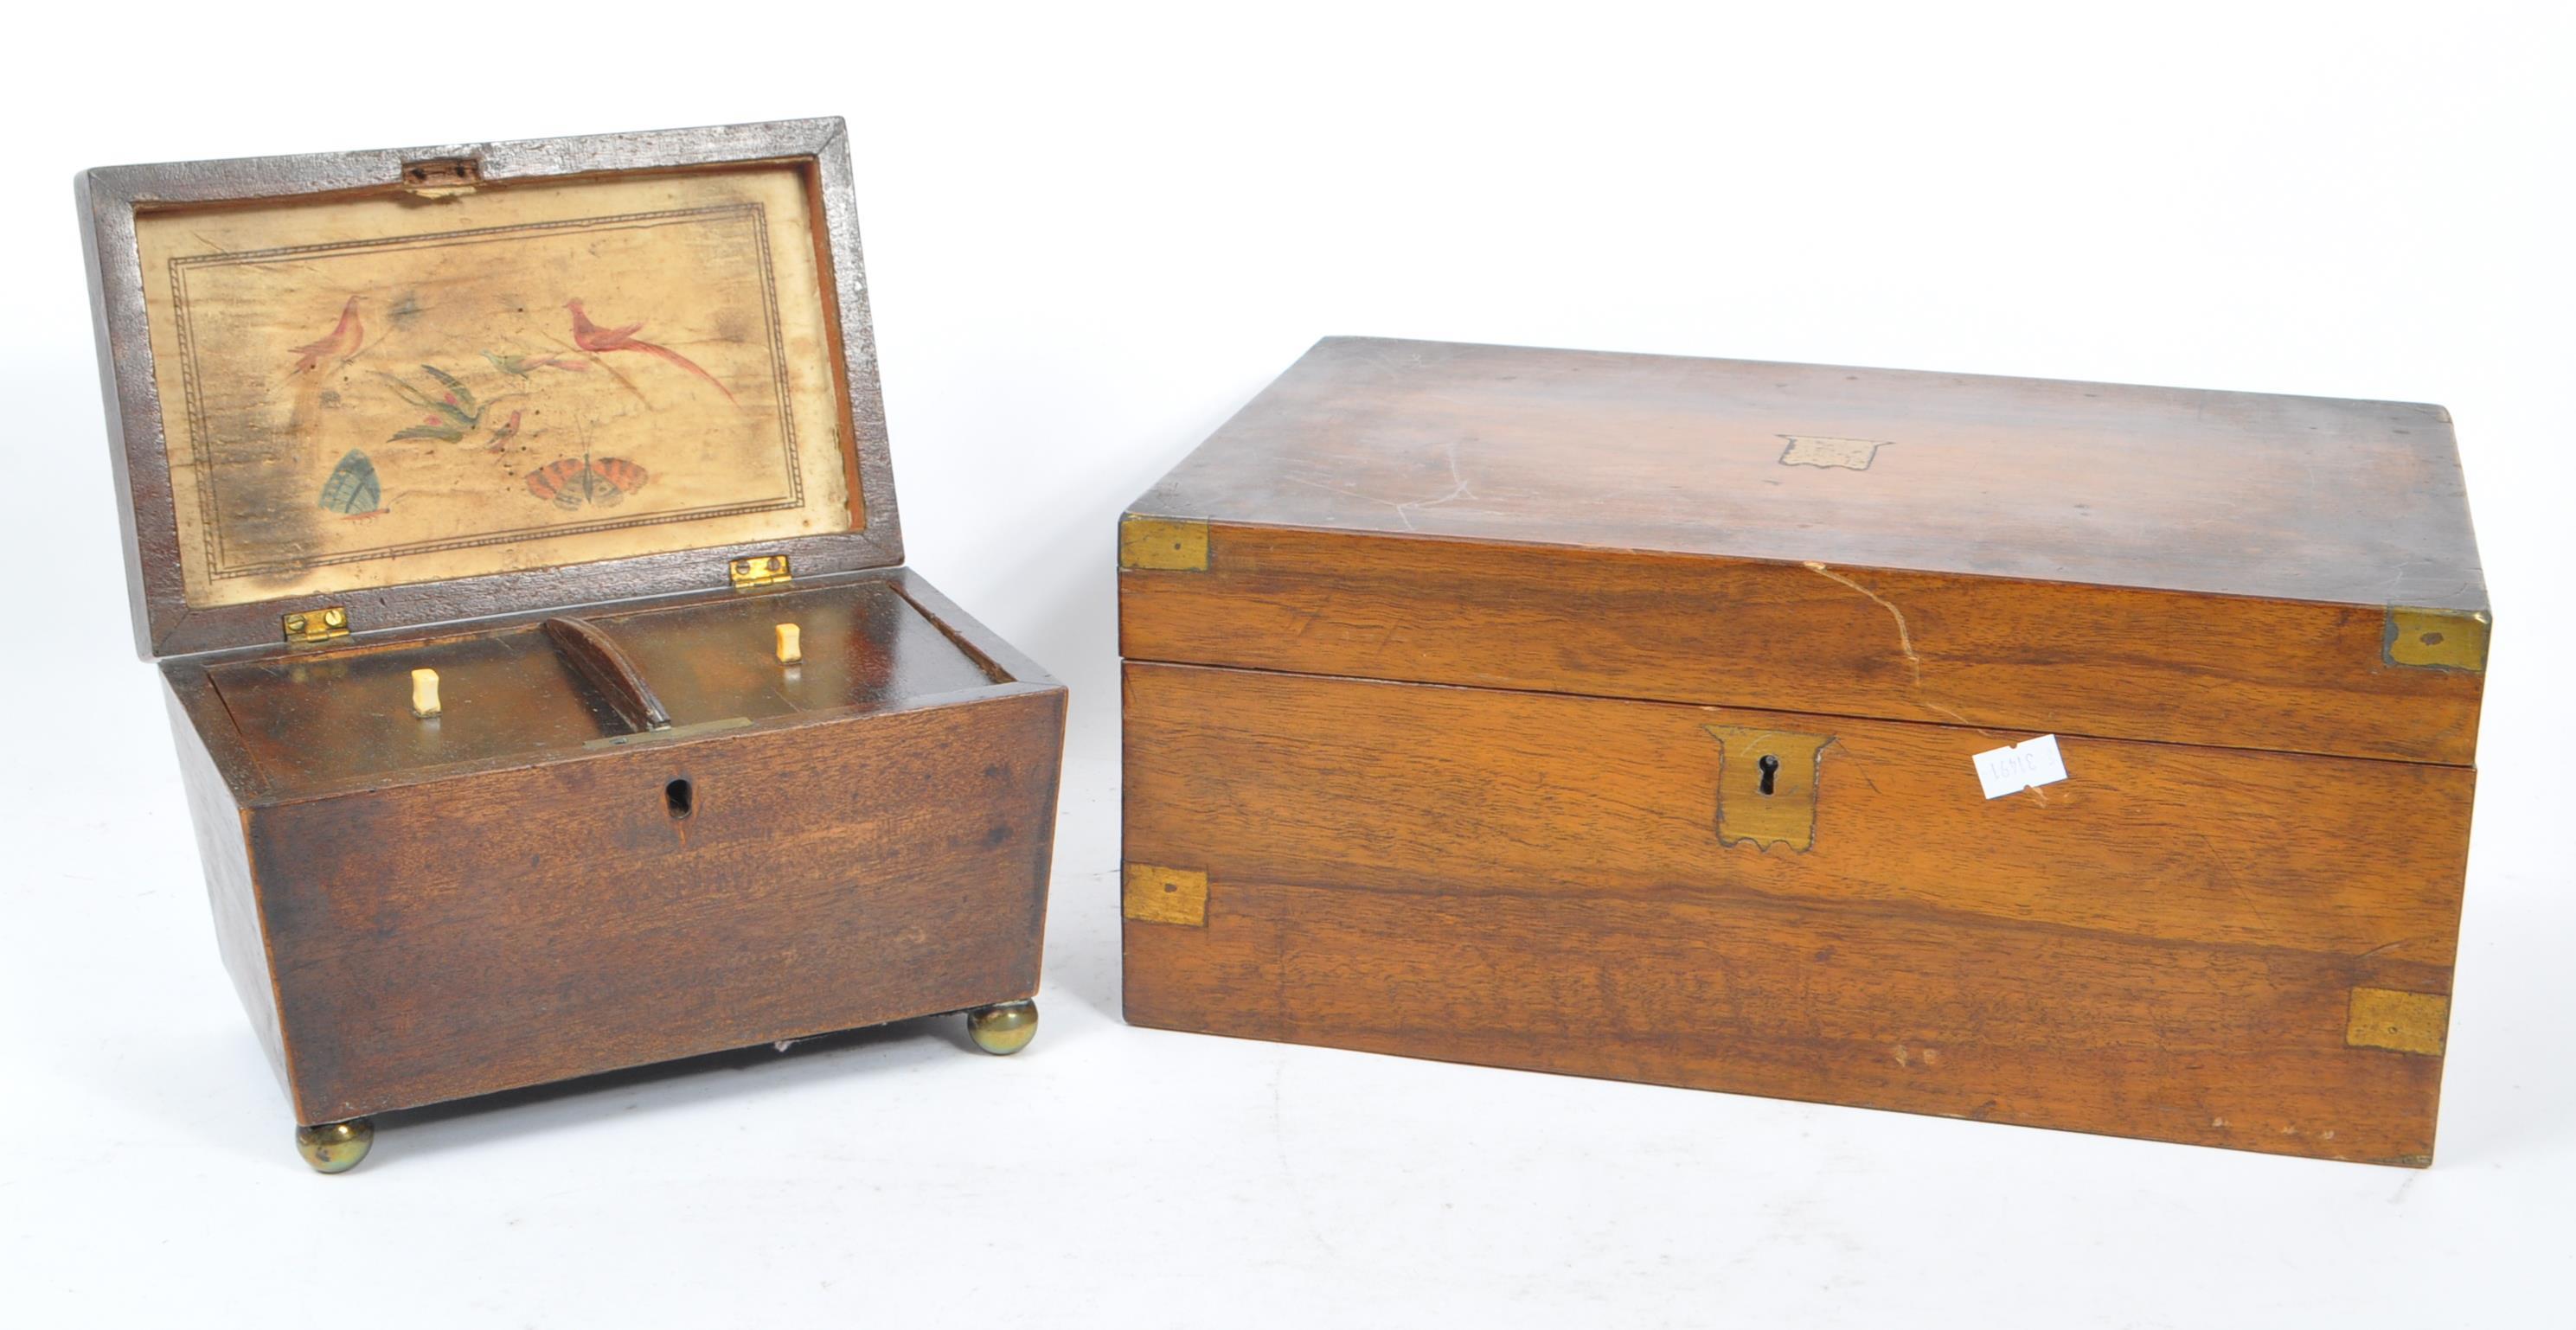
(591, 337)
(503, 433)
(340, 345)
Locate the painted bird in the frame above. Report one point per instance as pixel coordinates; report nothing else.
(591, 337)
(340, 345)
(503, 433)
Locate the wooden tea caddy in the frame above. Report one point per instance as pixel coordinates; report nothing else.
(1622, 715)
(513, 526)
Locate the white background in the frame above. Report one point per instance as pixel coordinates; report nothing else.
(1090, 237)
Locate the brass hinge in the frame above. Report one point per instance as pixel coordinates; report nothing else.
(442, 177)
(305, 626)
(758, 571)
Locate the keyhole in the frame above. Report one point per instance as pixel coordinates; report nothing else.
(1770, 771)
(680, 798)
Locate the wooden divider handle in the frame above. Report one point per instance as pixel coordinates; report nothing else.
(609, 669)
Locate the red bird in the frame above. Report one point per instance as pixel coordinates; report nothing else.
(591, 337)
(340, 345)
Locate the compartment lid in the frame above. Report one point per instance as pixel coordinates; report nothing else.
(2220, 568)
(438, 383)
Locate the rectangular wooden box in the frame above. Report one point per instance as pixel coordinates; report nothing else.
(1615, 715)
(575, 425)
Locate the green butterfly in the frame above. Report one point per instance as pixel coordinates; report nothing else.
(352, 489)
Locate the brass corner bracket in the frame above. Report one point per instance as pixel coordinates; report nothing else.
(1157, 895)
(1162, 544)
(2436, 639)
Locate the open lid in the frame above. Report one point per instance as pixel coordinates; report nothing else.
(430, 384)
(2232, 569)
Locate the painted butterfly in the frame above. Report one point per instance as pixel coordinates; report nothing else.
(573, 481)
(352, 489)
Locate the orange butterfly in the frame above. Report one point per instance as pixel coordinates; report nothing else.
(575, 481)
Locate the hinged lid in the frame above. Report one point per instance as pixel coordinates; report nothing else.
(437, 383)
(2216, 568)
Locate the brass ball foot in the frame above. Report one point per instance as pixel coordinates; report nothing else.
(1003, 1028)
(335, 1147)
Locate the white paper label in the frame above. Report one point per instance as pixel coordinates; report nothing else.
(2016, 768)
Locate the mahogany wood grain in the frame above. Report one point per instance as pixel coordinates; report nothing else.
(2163, 945)
(449, 939)
(2222, 493)
(2148, 563)
(2100, 660)
(863, 647)
(325, 719)
(319, 718)
(411, 923)
(216, 785)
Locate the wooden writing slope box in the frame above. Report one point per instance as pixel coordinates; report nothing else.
(1615, 714)
(514, 528)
